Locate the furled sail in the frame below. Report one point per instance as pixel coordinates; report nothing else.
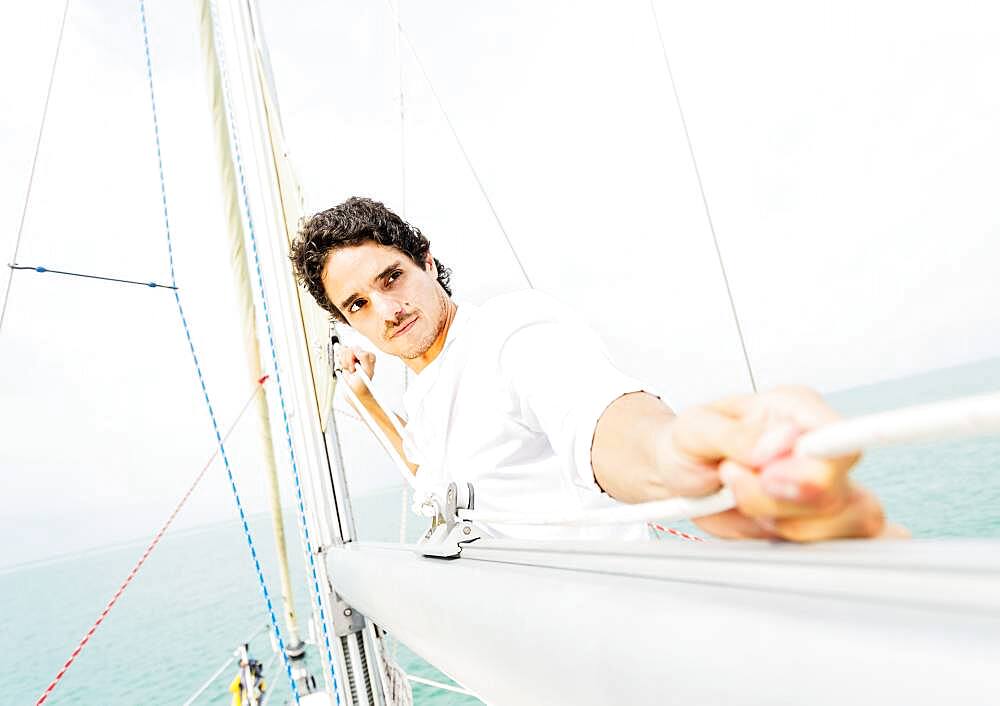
(315, 321)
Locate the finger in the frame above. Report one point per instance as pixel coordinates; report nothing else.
(708, 435)
(754, 501)
(802, 405)
(795, 405)
(894, 531)
(804, 479)
(736, 406)
(731, 524)
(349, 359)
(860, 516)
(783, 413)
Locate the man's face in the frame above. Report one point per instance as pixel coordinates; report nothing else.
(386, 297)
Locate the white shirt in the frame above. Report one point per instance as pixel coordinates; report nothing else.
(511, 404)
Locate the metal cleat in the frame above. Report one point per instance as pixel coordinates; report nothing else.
(447, 532)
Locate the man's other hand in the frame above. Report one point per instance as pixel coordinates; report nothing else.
(347, 359)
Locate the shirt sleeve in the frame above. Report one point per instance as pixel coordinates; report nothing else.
(563, 380)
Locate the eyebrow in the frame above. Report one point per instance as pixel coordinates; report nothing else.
(381, 276)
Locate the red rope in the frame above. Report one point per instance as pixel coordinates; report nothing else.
(135, 569)
(676, 533)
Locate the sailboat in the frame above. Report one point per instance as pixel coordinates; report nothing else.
(573, 622)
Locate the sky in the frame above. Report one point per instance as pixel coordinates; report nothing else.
(848, 157)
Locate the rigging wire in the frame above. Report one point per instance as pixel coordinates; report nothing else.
(149, 549)
(465, 154)
(400, 32)
(218, 672)
(304, 527)
(439, 685)
(402, 108)
(404, 499)
(34, 163)
(151, 285)
(201, 378)
(211, 680)
(267, 667)
(704, 198)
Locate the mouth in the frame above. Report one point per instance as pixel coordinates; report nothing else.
(405, 328)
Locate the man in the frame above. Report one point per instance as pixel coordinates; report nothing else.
(518, 397)
(248, 685)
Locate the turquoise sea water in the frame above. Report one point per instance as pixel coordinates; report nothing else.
(197, 598)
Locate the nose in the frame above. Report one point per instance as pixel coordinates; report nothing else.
(388, 308)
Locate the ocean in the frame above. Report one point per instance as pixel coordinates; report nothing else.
(197, 597)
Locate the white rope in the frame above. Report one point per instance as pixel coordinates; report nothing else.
(360, 372)
(439, 685)
(393, 419)
(404, 500)
(398, 461)
(966, 416)
(668, 510)
(398, 691)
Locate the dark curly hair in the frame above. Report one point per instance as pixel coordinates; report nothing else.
(354, 222)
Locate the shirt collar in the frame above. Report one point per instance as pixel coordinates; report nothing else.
(422, 381)
(463, 313)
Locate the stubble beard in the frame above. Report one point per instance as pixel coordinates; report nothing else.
(423, 344)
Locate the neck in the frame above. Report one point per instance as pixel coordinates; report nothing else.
(419, 363)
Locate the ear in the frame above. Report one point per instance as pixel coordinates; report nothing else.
(429, 263)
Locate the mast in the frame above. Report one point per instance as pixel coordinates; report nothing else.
(296, 333)
(359, 656)
(241, 271)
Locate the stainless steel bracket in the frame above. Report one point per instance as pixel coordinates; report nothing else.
(346, 620)
(447, 532)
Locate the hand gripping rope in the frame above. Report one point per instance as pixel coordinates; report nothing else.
(149, 550)
(398, 461)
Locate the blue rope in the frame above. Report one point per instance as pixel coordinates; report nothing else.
(274, 353)
(151, 285)
(201, 377)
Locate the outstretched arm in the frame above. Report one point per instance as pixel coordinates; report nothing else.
(642, 451)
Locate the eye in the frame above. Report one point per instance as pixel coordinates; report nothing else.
(355, 306)
(393, 276)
